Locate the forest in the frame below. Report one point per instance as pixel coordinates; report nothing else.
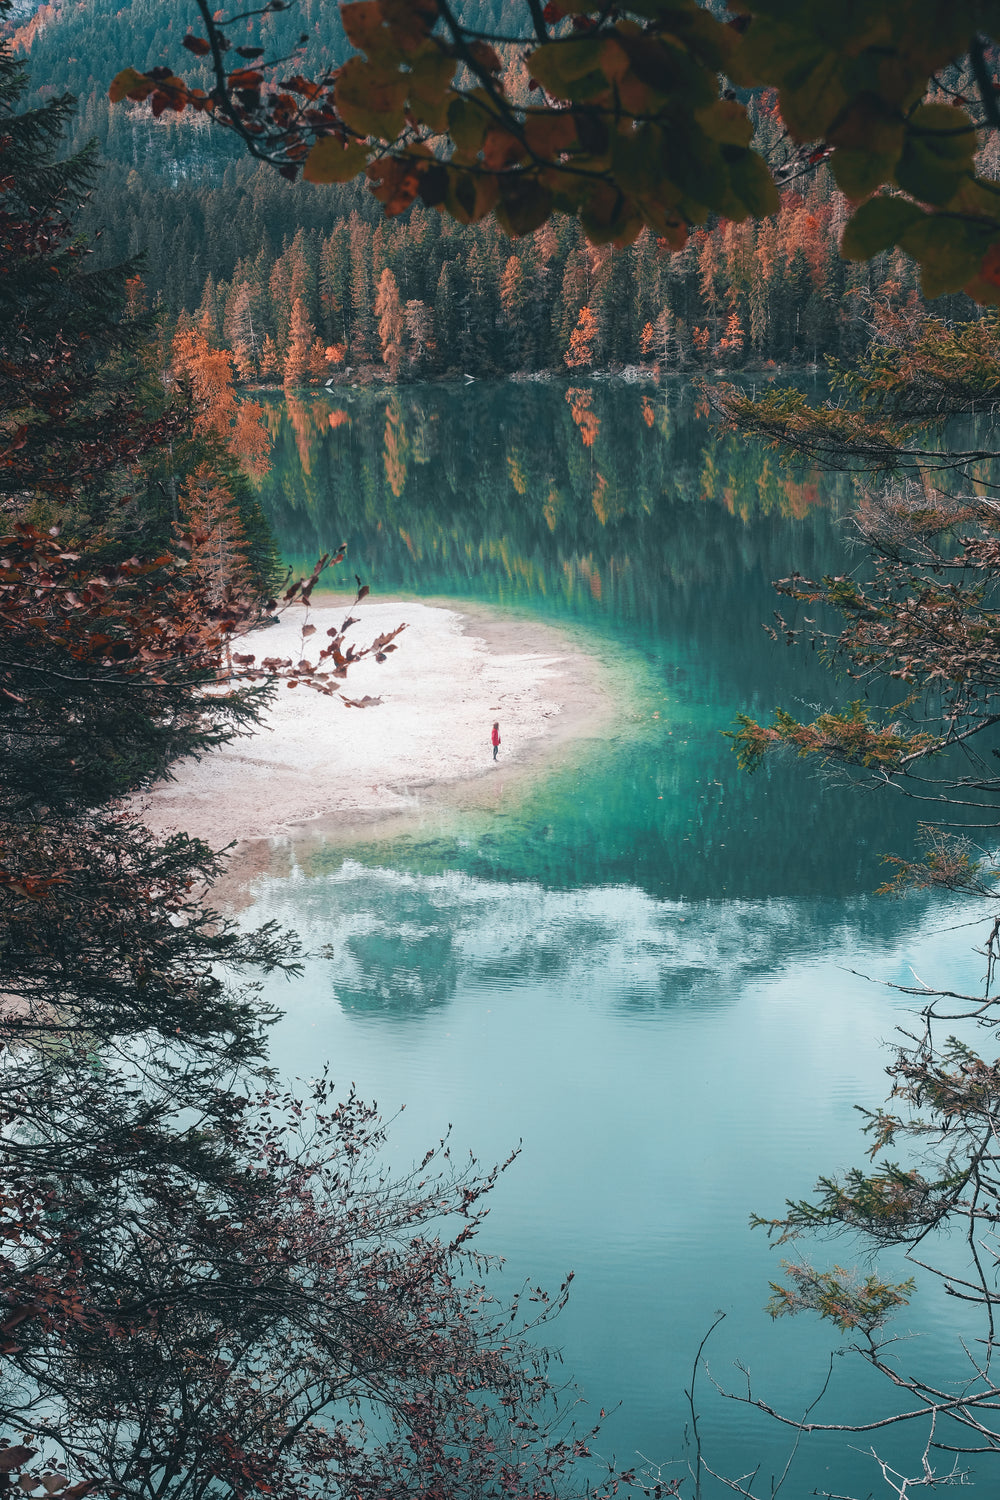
(292, 281)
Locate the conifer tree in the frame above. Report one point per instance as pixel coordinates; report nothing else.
(446, 299)
(582, 342)
(66, 353)
(270, 359)
(572, 296)
(334, 285)
(391, 323)
(300, 337)
(419, 334)
(362, 300)
(512, 300)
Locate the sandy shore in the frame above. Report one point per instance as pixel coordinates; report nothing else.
(315, 763)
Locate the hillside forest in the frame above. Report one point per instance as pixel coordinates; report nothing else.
(303, 284)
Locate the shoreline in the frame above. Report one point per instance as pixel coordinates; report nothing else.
(375, 378)
(315, 767)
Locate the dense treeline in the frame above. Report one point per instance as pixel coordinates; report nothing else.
(421, 296)
(250, 256)
(301, 282)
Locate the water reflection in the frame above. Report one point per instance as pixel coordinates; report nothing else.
(590, 499)
(399, 945)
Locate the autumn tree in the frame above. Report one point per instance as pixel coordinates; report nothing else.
(582, 341)
(914, 630)
(391, 322)
(300, 337)
(659, 338)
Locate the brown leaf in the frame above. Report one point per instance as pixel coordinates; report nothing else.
(13, 1458)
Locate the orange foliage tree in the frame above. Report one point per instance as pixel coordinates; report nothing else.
(391, 322)
(582, 341)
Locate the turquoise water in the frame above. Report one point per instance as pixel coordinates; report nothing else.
(641, 968)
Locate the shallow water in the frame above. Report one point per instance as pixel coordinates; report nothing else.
(641, 968)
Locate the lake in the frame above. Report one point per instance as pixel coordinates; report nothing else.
(663, 976)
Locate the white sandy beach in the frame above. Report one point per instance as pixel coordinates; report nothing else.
(316, 762)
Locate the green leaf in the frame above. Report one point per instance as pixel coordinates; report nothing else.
(429, 84)
(938, 154)
(859, 173)
(371, 98)
(805, 69)
(752, 183)
(468, 122)
(636, 160)
(876, 225)
(470, 196)
(949, 251)
(697, 166)
(560, 67)
(331, 161)
(524, 204)
(726, 121)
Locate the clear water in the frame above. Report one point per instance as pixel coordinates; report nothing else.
(641, 967)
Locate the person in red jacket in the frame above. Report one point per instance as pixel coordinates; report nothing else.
(495, 738)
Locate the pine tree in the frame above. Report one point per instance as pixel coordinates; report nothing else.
(362, 320)
(446, 314)
(300, 337)
(708, 266)
(270, 359)
(68, 381)
(572, 296)
(615, 308)
(334, 286)
(419, 334)
(512, 300)
(583, 340)
(279, 288)
(207, 316)
(731, 342)
(302, 277)
(391, 325)
(242, 324)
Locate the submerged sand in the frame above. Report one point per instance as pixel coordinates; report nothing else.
(315, 763)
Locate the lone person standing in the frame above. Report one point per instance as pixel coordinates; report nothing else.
(495, 738)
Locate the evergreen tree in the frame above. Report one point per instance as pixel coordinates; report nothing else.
(446, 315)
(419, 335)
(362, 300)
